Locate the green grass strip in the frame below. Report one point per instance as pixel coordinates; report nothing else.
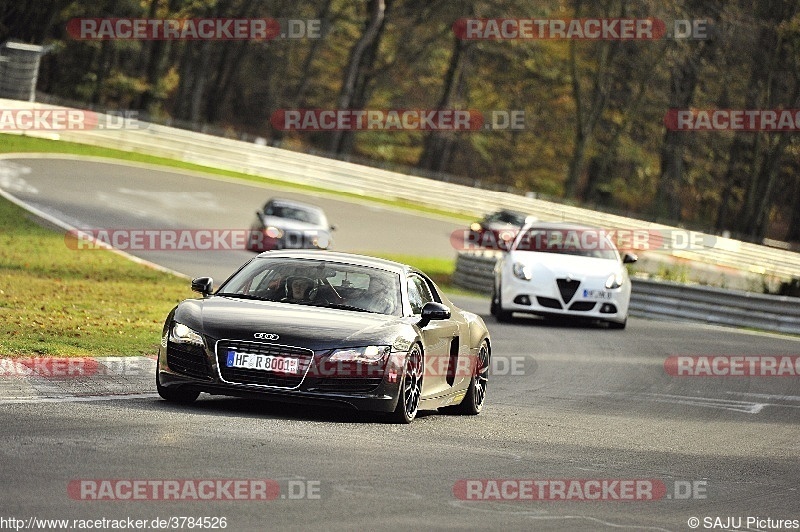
(56, 301)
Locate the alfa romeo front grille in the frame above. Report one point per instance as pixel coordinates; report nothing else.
(548, 302)
(567, 287)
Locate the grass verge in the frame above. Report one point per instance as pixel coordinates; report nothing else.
(24, 144)
(55, 301)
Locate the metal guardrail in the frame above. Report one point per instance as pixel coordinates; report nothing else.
(665, 300)
(475, 271)
(207, 150)
(715, 305)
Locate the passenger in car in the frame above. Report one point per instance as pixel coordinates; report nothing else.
(378, 297)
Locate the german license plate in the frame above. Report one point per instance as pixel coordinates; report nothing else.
(596, 294)
(278, 364)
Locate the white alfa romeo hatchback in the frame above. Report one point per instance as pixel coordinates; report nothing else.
(558, 269)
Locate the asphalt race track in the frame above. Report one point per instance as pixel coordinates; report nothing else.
(117, 196)
(566, 403)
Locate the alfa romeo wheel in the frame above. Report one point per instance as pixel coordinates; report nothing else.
(497, 308)
(617, 325)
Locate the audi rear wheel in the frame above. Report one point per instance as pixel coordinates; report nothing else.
(472, 404)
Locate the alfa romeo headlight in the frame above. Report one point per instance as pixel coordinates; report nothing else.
(181, 334)
(369, 354)
(615, 280)
(522, 271)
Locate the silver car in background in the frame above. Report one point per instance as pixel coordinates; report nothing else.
(290, 224)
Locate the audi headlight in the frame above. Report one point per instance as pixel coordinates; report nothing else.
(370, 354)
(522, 271)
(181, 334)
(615, 280)
(273, 232)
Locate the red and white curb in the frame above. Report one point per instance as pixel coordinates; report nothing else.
(63, 379)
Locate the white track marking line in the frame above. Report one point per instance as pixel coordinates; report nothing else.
(78, 399)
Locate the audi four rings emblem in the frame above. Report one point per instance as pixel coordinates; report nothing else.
(266, 336)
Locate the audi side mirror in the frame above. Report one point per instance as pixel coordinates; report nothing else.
(433, 311)
(204, 285)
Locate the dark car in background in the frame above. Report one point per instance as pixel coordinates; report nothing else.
(314, 326)
(289, 224)
(497, 229)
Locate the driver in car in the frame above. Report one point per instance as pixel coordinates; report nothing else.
(299, 289)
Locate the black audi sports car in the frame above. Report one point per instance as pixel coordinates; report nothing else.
(325, 327)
